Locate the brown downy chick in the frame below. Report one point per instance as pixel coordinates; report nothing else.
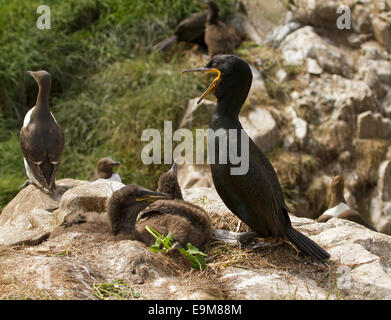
(105, 170)
(85, 222)
(219, 37)
(118, 223)
(168, 182)
(124, 206)
(338, 207)
(186, 222)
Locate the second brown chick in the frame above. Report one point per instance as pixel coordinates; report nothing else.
(188, 223)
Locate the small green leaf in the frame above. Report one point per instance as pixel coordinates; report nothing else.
(194, 250)
(195, 257)
(155, 247)
(192, 253)
(62, 254)
(167, 241)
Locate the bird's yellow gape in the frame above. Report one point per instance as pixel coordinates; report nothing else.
(154, 198)
(212, 85)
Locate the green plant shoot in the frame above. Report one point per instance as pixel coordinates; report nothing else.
(164, 244)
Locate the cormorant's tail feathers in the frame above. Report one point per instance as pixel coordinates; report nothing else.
(308, 246)
(163, 44)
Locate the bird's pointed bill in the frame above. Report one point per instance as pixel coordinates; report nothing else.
(174, 166)
(212, 85)
(154, 196)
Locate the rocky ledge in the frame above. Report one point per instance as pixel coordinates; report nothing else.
(80, 266)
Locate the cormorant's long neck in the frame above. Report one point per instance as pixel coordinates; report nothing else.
(228, 107)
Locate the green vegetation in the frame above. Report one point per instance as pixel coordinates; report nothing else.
(116, 289)
(164, 244)
(107, 85)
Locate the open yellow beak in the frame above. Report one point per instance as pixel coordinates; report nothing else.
(212, 85)
(339, 178)
(152, 198)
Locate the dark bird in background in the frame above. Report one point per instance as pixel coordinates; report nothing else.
(256, 196)
(220, 38)
(41, 138)
(338, 207)
(105, 170)
(191, 29)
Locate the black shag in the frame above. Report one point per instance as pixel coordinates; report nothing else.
(255, 197)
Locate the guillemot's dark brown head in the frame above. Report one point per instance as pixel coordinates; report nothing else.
(44, 81)
(105, 167)
(42, 77)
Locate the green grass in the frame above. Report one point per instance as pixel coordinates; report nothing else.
(115, 107)
(115, 290)
(107, 85)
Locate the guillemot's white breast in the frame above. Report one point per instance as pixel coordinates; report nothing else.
(337, 210)
(27, 117)
(115, 177)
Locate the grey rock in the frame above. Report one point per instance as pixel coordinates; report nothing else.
(373, 125)
(32, 214)
(197, 115)
(280, 33)
(194, 175)
(313, 67)
(372, 50)
(381, 25)
(262, 128)
(306, 43)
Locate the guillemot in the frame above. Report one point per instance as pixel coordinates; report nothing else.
(105, 170)
(338, 207)
(41, 138)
